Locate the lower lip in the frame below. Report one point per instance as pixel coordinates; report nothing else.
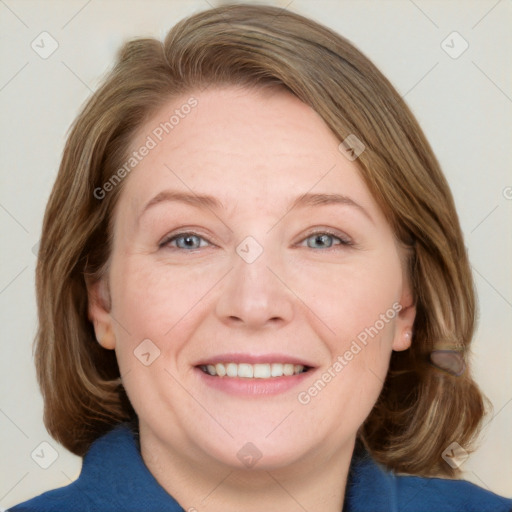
(241, 386)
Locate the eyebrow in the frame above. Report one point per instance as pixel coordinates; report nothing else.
(209, 202)
(326, 199)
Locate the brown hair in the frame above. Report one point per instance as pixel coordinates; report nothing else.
(421, 409)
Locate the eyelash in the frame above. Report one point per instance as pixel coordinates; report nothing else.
(342, 240)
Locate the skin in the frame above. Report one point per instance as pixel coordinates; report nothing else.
(255, 152)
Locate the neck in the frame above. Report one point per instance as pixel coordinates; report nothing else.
(316, 482)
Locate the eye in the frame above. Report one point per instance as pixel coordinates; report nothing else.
(323, 240)
(187, 241)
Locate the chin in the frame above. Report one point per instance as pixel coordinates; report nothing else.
(259, 455)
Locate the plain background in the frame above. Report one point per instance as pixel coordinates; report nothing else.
(464, 105)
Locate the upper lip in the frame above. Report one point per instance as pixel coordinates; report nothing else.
(254, 359)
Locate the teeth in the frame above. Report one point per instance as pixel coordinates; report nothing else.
(253, 371)
(220, 369)
(231, 370)
(276, 370)
(288, 369)
(261, 371)
(245, 370)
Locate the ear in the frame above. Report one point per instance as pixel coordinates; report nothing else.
(404, 322)
(99, 313)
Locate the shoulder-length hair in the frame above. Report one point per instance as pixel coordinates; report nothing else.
(421, 409)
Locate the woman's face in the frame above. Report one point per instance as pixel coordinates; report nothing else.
(246, 242)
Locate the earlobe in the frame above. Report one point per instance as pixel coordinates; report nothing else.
(107, 339)
(99, 314)
(403, 340)
(404, 333)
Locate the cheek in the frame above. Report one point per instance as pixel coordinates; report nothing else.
(350, 298)
(155, 300)
(143, 294)
(367, 303)
(355, 301)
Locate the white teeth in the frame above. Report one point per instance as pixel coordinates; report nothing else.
(256, 371)
(261, 371)
(276, 370)
(288, 369)
(245, 370)
(231, 370)
(220, 369)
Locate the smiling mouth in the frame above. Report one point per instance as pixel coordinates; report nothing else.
(253, 371)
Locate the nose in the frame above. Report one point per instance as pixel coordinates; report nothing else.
(255, 295)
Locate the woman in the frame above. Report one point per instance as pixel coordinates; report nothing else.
(252, 285)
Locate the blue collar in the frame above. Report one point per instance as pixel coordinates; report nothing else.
(115, 462)
(113, 472)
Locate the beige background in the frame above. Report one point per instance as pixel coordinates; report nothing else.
(464, 105)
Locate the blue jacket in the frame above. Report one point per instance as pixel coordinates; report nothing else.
(114, 478)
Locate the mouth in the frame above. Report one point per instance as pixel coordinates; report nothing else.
(255, 375)
(246, 370)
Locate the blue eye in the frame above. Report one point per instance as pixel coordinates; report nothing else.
(190, 241)
(185, 241)
(324, 241)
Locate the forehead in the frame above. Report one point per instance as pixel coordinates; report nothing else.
(258, 146)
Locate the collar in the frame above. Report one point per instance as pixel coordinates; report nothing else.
(114, 472)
